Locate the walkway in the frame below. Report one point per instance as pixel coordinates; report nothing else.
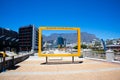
(35, 69)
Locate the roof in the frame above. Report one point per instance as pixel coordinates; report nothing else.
(113, 45)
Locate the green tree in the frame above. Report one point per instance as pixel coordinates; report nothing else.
(83, 46)
(75, 47)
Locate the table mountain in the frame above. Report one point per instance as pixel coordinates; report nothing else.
(70, 37)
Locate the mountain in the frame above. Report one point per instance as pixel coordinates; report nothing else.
(87, 37)
(70, 37)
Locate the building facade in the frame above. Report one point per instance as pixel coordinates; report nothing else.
(8, 40)
(61, 42)
(28, 38)
(114, 47)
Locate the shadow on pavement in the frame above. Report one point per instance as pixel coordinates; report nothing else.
(13, 67)
(62, 62)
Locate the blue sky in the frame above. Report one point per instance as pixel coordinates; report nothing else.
(100, 17)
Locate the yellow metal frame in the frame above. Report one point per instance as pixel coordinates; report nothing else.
(40, 54)
(3, 53)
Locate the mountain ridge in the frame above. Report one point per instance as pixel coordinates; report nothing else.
(71, 37)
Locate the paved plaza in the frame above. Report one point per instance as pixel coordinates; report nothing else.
(59, 68)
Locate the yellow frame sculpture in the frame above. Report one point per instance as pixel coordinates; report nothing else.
(40, 54)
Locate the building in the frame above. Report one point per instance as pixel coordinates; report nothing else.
(28, 38)
(61, 42)
(8, 40)
(114, 47)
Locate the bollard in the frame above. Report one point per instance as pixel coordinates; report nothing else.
(72, 59)
(12, 61)
(46, 59)
(110, 55)
(4, 65)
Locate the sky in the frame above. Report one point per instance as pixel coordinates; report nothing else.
(99, 17)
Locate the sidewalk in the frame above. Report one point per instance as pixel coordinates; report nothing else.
(34, 69)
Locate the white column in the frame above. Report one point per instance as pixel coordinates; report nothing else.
(110, 55)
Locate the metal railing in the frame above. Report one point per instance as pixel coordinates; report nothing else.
(94, 54)
(100, 55)
(117, 56)
(10, 61)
